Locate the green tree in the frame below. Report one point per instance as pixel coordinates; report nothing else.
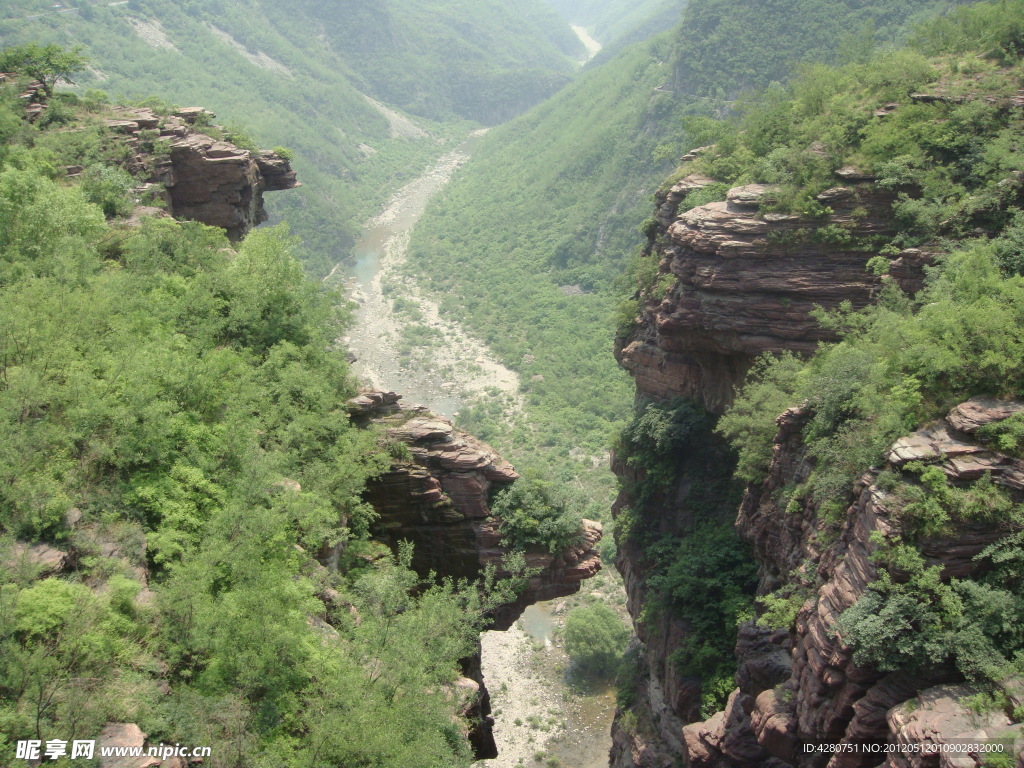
(535, 512)
(595, 638)
(46, 63)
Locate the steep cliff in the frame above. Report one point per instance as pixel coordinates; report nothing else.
(438, 498)
(806, 687)
(885, 504)
(741, 283)
(202, 178)
(731, 284)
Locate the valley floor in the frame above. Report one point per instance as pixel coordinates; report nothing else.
(400, 337)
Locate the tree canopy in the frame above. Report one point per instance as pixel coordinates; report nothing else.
(45, 63)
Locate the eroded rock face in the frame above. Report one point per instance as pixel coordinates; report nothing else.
(206, 180)
(824, 696)
(222, 185)
(439, 500)
(933, 727)
(746, 283)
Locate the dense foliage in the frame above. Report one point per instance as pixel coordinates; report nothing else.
(595, 639)
(171, 416)
(537, 513)
(922, 619)
(734, 46)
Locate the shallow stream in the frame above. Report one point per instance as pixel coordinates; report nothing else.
(402, 339)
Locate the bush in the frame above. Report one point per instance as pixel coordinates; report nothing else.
(923, 621)
(595, 639)
(708, 579)
(535, 513)
(656, 438)
(109, 188)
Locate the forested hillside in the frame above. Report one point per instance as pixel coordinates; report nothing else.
(298, 75)
(174, 450)
(528, 240)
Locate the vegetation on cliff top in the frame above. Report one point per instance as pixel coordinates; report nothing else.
(171, 418)
(953, 155)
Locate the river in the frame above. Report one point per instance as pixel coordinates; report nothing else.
(401, 339)
(403, 342)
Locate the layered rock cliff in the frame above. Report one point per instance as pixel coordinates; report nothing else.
(802, 700)
(733, 283)
(742, 282)
(438, 498)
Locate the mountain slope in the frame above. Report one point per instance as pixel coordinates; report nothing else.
(552, 203)
(299, 76)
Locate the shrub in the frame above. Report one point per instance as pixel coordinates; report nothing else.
(109, 188)
(656, 437)
(536, 513)
(595, 639)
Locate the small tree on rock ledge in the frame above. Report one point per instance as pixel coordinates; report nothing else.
(45, 63)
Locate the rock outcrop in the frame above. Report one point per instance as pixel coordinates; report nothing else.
(815, 692)
(734, 282)
(201, 178)
(123, 738)
(744, 282)
(438, 498)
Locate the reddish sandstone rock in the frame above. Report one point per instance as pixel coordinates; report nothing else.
(439, 500)
(747, 282)
(930, 726)
(833, 699)
(204, 179)
(220, 184)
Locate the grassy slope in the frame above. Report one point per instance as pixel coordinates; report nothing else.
(316, 107)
